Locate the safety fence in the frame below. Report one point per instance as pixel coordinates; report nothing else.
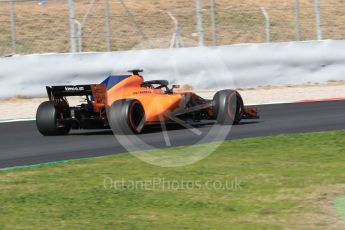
(41, 26)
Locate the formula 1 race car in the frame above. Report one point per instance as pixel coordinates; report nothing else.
(127, 103)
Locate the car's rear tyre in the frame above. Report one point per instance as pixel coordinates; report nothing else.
(126, 117)
(228, 107)
(47, 120)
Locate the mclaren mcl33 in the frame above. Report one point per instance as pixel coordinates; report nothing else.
(127, 103)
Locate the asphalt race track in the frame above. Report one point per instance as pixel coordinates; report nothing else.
(21, 144)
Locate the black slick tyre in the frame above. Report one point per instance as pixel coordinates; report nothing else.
(47, 120)
(228, 107)
(126, 117)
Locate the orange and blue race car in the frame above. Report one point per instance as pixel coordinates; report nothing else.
(127, 103)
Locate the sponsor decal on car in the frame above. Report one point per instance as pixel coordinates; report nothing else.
(74, 88)
(142, 92)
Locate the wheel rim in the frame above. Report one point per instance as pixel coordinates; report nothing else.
(136, 116)
(232, 107)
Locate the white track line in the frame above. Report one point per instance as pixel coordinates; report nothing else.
(18, 120)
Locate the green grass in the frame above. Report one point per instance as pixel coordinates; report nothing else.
(340, 207)
(280, 182)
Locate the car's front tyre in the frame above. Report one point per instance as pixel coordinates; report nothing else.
(228, 107)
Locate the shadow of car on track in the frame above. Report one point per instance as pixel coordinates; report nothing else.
(154, 128)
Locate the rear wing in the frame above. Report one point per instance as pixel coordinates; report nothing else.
(95, 94)
(69, 90)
